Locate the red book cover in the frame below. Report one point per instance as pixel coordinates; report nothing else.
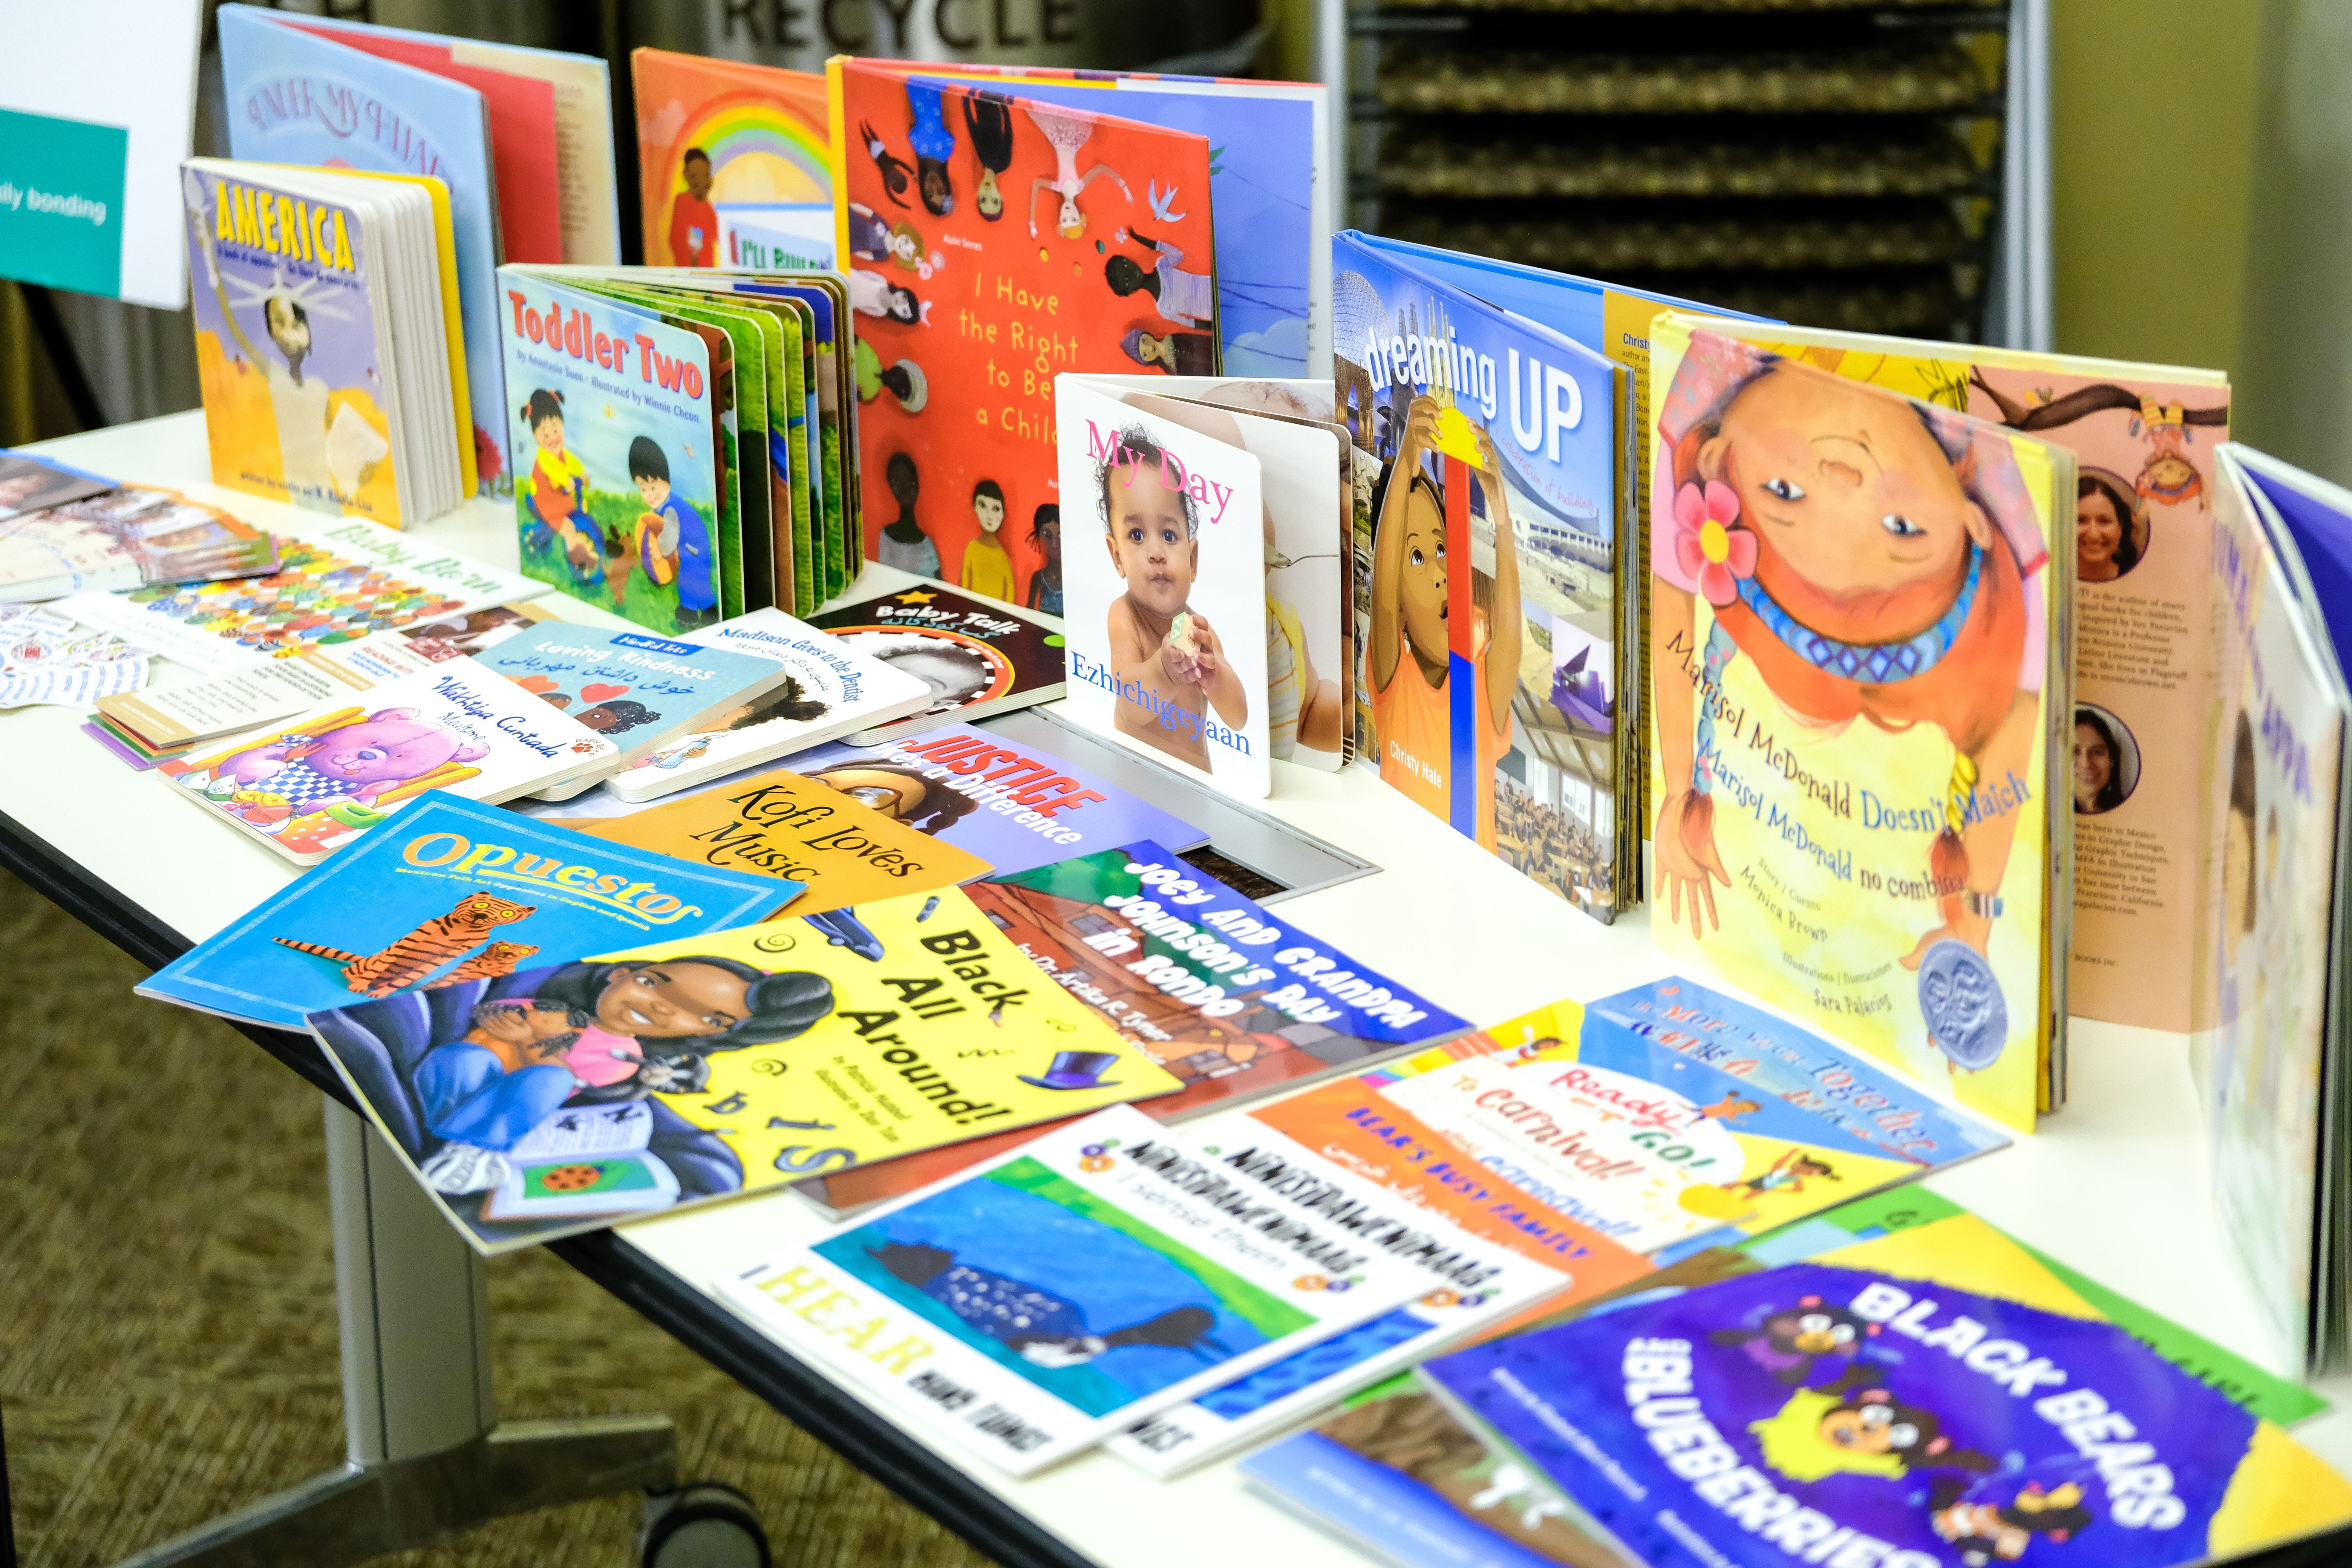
(719, 131)
(992, 243)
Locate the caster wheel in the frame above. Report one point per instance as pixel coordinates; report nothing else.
(704, 1525)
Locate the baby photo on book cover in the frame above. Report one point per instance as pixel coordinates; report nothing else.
(1167, 604)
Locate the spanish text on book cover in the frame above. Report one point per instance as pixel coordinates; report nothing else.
(1491, 667)
(1858, 650)
(286, 348)
(753, 1056)
(1961, 1404)
(986, 239)
(2143, 437)
(459, 892)
(1234, 1001)
(616, 485)
(1109, 1270)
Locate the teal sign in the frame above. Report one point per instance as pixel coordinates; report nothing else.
(61, 202)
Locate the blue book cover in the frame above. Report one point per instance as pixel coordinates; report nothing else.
(296, 97)
(1926, 1400)
(636, 690)
(1792, 1064)
(453, 891)
(1387, 1512)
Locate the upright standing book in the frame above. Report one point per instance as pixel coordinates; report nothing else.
(727, 149)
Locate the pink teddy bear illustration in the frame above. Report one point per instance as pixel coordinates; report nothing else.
(298, 774)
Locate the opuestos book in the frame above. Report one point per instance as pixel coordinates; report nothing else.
(761, 1055)
(453, 891)
(1111, 1268)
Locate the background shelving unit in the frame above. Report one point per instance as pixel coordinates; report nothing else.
(1836, 163)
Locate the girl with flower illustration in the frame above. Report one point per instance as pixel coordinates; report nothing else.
(1860, 556)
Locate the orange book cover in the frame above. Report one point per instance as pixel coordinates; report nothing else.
(991, 243)
(787, 825)
(721, 131)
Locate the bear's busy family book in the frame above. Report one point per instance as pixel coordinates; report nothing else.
(454, 891)
(756, 1055)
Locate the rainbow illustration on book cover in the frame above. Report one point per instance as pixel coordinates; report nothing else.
(719, 138)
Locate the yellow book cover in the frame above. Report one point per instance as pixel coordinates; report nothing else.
(1859, 679)
(561, 1098)
(445, 248)
(2144, 438)
(787, 825)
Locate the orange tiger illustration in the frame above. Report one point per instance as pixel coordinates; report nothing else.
(497, 959)
(424, 949)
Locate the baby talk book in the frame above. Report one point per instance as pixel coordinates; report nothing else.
(763, 1054)
(1859, 651)
(455, 891)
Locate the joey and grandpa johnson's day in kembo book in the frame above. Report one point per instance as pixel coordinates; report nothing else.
(1859, 651)
(756, 1055)
(452, 891)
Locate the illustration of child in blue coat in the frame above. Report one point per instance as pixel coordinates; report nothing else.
(673, 539)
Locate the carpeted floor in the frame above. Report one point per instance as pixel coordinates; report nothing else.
(167, 1309)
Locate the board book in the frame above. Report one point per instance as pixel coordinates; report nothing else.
(978, 658)
(761, 1055)
(456, 891)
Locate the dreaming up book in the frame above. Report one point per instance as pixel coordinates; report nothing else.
(759, 1056)
(1104, 1271)
(1975, 1408)
(456, 891)
(1861, 666)
(1234, 1001)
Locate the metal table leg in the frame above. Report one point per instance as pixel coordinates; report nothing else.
(424, 1454)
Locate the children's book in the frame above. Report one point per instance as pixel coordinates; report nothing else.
(2143, 437)
(456, 891)
(337, 581)
(1475, 1278)
(297, 96)
(730, 152)
(1395, 1474)
(779, 824)
(1493, 609)
(1107, 1270)
(978, 658)
(1274, 209)
(330, 775)
(616, 441)
(172, 720)
(29, 483)
(1959, 1402)
(1793, 1064)
(828, 690)
(626, 684)
(972, 297)
(2270, 1068)
(1237, 1003)
(764, 1053)
(1168, 619)
(1853, 744)
(126, 538)
(1659, 1151)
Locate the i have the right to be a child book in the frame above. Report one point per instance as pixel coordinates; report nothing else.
(1860, 693)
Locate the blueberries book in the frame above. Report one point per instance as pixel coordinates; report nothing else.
(1927, 1399)
(459, 892)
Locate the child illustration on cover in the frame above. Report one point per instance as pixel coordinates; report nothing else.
(555, 495)
(871, 239)
(1157, 644)
(1045, 582)
(904, 545)
(987, 566)
(693, 221)
(1068, 134)
(588, 1032)
(1871, 558)
(673, 539)
(988, 118)
(871, 294)
(933, 144)
(1187, 298)
(1408, 661)
(1177, 354)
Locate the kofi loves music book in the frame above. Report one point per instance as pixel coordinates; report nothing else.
(457, 891)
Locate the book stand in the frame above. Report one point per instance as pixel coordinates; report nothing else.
(425, 1452)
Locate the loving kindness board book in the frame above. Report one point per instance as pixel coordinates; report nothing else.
(455, 891)
(1859, 655)
(1933, 1397)
(741, 1058)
